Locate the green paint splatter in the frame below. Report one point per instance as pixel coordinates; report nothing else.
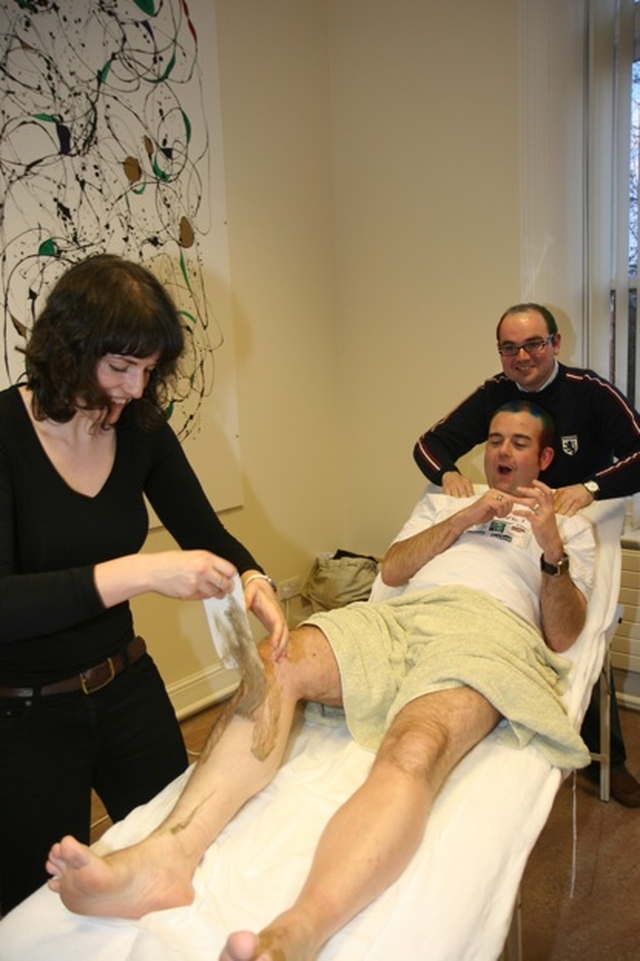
(166, 73)
(159, 172)
(187, 126)
(189, 317)
(183, 268)
(104, 73)
(47, 249)
(146, 6)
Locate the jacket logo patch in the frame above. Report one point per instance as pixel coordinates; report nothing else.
(570, 444)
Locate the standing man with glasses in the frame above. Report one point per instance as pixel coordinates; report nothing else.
(597, 452)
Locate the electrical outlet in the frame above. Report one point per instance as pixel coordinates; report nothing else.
(289, 588)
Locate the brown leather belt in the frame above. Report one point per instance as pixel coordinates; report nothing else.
(89, 681)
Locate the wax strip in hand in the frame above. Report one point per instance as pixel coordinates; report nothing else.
(233, 641)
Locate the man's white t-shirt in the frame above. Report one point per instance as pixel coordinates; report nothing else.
(500, 557)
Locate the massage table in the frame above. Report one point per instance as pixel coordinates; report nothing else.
(455, 900)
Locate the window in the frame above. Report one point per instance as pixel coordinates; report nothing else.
(624, 364)
(580, 209)
(632, 305)
(633, 178)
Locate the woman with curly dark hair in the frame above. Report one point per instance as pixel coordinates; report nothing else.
(82, 442)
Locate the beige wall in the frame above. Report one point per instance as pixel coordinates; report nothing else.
(425, 135)
(371, 153)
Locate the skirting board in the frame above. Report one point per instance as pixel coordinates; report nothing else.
(199, 691)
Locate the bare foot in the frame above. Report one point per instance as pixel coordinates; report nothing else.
(278, 942)
(125, 884)
(240, 946)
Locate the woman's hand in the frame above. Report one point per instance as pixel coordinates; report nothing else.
(261, 599)
(187, 575)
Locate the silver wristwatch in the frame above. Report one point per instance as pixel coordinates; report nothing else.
(593, 487)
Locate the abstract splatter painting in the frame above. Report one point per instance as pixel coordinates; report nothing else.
(105, 145)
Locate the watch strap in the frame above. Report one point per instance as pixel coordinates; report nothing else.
(554, 570)
(593, 487)
(262, 577)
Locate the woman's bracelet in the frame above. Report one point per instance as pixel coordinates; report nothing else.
(262, 577)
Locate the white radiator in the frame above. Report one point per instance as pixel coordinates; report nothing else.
(625, 645)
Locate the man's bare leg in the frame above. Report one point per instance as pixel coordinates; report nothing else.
(382, 824)
(240, 758)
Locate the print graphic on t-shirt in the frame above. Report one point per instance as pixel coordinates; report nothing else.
(511, 528)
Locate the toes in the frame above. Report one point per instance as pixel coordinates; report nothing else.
(73, 853)
(241, 946)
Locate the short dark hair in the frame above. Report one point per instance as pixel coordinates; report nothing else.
(102, 305)
(550, 320)
(518, 406)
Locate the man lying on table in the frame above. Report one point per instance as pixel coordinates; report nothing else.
(491, 588)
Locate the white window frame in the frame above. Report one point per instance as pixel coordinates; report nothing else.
(575, 86)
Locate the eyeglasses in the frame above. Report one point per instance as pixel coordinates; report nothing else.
(531, 347)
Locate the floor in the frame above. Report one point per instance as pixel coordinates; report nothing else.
(601, 919)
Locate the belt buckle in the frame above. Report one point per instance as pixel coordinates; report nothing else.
(98, 687)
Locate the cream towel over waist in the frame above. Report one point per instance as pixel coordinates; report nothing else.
(394, 651)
